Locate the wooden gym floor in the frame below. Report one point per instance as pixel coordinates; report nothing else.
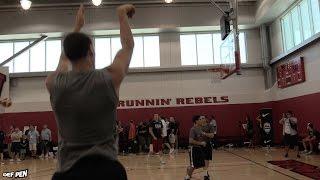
(228, 164)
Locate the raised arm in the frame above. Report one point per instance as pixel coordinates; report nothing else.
(119, 68)
(282, 119)
(63, 65)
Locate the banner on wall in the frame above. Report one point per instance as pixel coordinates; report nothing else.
(267, 125)
(291, 73)
(167, 102)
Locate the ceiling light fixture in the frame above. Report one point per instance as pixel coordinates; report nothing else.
(96, 2)
(168, 1)
(25, 4)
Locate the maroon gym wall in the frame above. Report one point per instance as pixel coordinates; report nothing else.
(228, 116)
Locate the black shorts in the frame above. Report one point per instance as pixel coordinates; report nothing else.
(15, 147)
(290, 140)
(1, 147)
(197, 157)
(207, 152)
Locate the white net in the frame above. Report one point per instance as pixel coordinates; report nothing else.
(227, 55)
(215, 75)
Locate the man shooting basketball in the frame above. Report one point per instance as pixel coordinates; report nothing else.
(84, 100)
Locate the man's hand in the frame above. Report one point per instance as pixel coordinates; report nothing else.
(127, 9)
(154, 138)
(79, 19)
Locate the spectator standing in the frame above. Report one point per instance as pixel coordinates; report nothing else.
(249, 130)
(290, 133)
(33, 137)
(173, 133)
(142, 137)
(155, 130)
(16, 136)
(131, 136)
(2, 138)
(164, 134)
(45, 141)
(9, 142)
(23, 147)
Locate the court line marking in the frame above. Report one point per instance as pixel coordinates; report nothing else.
(262, 165)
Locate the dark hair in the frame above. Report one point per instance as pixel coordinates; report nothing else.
(76, 46)
(290, 112)
(310, 125)
(195, 118)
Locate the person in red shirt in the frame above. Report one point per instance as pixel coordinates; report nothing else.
(155, 130)
(8, 139)
(131, 135)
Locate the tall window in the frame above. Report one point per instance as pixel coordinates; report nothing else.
(38, 57)
(205, 49)
(44, 56)
(6, 50)
(53, 52)
(300, 23)
(146, 51)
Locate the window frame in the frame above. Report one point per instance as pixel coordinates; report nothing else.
(143, 47)
(195, 33)
(13, 41)
(289, 12)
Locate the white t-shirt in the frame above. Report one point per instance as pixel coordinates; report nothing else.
(165, 128)
(16, 136)
(214, 124)
(287, 129)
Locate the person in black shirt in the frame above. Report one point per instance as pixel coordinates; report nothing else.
(23, 147)
(173, 133)
(2, 137)
(313, 135)
(155, 130)
(122, 137)
(249, 130)
(142, 133)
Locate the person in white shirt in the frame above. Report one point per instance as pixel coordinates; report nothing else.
(33, 137)
(290, 132)
(16, 136)
(213, 122)
(165, 123)
(45, 139)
